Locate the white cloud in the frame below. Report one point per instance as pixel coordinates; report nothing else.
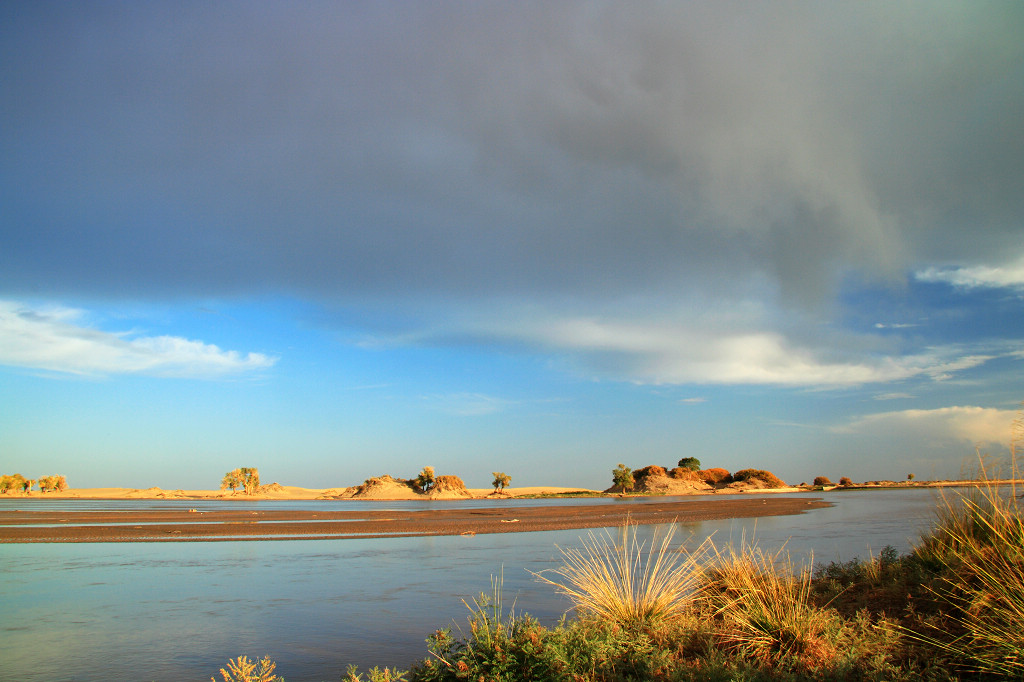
(967, 424)
(55, 339)
(988, 276)
(672, 352)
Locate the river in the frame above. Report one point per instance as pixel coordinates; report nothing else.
(178, 611)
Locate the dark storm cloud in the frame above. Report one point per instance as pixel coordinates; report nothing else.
(575, 149)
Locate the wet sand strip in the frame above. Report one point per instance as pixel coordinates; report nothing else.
(182, 526)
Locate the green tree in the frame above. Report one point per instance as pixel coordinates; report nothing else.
(231, 480)
(250, 480)
(622, 476)
(426, 478)
(501, 479)
(691, 463)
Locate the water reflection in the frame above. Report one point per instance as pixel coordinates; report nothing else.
(173, 611)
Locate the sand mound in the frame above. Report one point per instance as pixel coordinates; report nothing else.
(148, 492)
(384, 488)
(172, 494)
(448, 488)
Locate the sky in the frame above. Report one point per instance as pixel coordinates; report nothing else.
(338, 240)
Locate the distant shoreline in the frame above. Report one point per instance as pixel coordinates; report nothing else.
(279, 492)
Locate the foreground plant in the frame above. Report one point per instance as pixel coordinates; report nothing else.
(766, 614)
(630, 582)
(980, 544)
(374, 674)
(241, 669)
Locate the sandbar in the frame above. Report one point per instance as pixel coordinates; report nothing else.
(22, 526)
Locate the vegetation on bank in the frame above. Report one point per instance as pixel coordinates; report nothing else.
(951, 609)
(19, 484)
(246, 478)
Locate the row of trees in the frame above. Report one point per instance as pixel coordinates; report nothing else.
(18, 483)
(246, 478)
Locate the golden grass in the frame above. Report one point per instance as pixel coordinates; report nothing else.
(764, 605)
(979, 538)
(628, 581)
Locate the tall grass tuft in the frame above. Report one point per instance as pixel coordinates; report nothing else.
(979, 541)
(766, 612)
(630, 582)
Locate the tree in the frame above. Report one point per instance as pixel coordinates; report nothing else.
(250, 480)
(6, 483)
(501, 479)
(49, 484)
(622, 476)
(910, 477)
(426, 478)
(232, 480)
(691, 463)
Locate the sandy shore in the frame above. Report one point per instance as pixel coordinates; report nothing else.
(243, 524)
(277, 492)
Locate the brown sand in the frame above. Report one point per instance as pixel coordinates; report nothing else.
(170, 525)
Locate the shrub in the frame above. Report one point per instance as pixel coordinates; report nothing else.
(715, 476)
(682, 474)
(374, 674)
(244, 670)
(652, 471)
(845, 480)
(768, 478)
(822, 481)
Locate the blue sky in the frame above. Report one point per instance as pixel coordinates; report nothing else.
(337, 240)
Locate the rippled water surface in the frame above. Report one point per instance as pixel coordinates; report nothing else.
(178, 611)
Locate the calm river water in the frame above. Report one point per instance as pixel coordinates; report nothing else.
(178, 611)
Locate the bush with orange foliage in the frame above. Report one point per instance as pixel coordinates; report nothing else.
(715, 476)
(768, 478)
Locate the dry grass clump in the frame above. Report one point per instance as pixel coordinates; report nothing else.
(979, 541)
(629, 582)
(765, 613)
(769, 479)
